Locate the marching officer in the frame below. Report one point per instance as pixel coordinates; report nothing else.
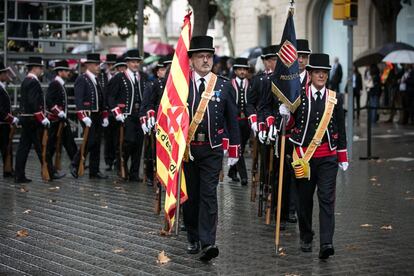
(150, 103)
(33, 119)
(205, 150)
(120, 65)
(303, 57)
(241, 89)
(91, 112)
(109, 139)
(7, 120)
(320, 148)
(57, 106)
(125, 93)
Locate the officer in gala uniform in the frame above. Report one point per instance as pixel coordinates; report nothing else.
(329, 154)
(302, 48)
(125, 93)
(241, 90)
(91, 112)
(57, 106)
(7, 120)
(120, 65)
(205, 150)
(109, 139)
(33, 119)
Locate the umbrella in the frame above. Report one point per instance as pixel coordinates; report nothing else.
(158, 48)
(400, 56)
(374, 56)
(252, 53)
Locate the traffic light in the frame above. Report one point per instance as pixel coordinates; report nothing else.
(345, 9)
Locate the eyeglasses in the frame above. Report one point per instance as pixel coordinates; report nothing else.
(201, 56)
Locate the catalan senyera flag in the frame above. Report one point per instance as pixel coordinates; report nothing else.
(285, 79)
(173, 123)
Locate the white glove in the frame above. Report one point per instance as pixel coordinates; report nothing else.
(343, 165)
(284, 110)
(105, 122)
(144, 128)
(46, 122)
(272, 133)
(62, 115)
(225, 152)
(120, 118)
(15, 121)
(262, 136)
(151, 122)
(87, 121)
(232, 161)
(254, 128)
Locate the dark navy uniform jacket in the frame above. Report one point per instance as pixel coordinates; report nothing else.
(258, 85)
(56, 99)
(152, 96)
(221, 112)
(88, 96)
(5, 106)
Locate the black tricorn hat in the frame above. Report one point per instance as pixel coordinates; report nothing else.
(241, 62)
(318, 61)
(61, 65)
(120, 61)
(133, 55)
(202, 43)
(35, 61)
(3, 68)
(302, 46)
(163, 61)
(168, 59)
(93, 58)
(270, 51)
(110, 59)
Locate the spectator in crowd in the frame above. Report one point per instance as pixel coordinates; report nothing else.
(373, 84)
(407, 94)
(357, 87)
(335, 76)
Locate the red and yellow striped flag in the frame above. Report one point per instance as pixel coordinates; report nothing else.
(172, 124)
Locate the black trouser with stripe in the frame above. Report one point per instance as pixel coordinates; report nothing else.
(202, 177)
(323, 175)
(133, 144)
(4, 141)
(111, 141)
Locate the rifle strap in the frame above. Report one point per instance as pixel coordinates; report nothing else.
(301, 165)
(199, 114)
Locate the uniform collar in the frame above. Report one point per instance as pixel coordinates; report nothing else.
(314, 90)
(268, 72)
(60, 80)
(91, 76)
(3, 85)
(302, 75)
(33, 76)
(131, 74)
(197, 78)
(239, 80)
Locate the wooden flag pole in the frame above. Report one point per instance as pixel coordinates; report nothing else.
(280, 182)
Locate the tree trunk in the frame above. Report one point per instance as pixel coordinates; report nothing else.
(163, 29)
(388, 12)
(200, 14)
(227, 34)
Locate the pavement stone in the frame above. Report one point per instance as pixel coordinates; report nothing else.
(107, 227)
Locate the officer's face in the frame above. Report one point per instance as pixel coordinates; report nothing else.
(133, 65)
(4, 76)
(270, 63)
(64, 74)
(121, 68)
(241, 72)
(93, 68)
(319, 78)
(303, 61)
(202, 62)
(161, 72)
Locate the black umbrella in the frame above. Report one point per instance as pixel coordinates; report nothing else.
(374, 56)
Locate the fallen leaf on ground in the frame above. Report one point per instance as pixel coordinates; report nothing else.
(281, 251)
(52, 200)
(407, 192)
(409, 198)
(380, 161)
(162, 258)
(374, 178)
(23, 189)
(164, 233)
(386, 227)
(22, 233)
(95, 194)
(352, 247)
(366, 225)
(54, 188)
(28, 211)
(118, 187)
(104, 206)
(118, 250)
(338, 214)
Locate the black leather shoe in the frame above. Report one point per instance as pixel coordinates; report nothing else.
(235, 179)
(193, 248)
(22, 180)
(73, 171)
(209, 252)
(8, 174)
(150, 182)
(326, 251)
(292, 218)
(58, 175)
(98, 175)
(108, 168)
(244, 182)
(183, 228)
(305, 246)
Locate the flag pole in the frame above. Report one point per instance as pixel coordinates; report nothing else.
(177, 208)
(280, 182)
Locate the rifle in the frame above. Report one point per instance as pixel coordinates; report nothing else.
(269, 187)
(121, 151)
(262, 176)
(8, 166)
(58, 155)
(45, 171)
(157, 184)
(81, 169)
(254, 170)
